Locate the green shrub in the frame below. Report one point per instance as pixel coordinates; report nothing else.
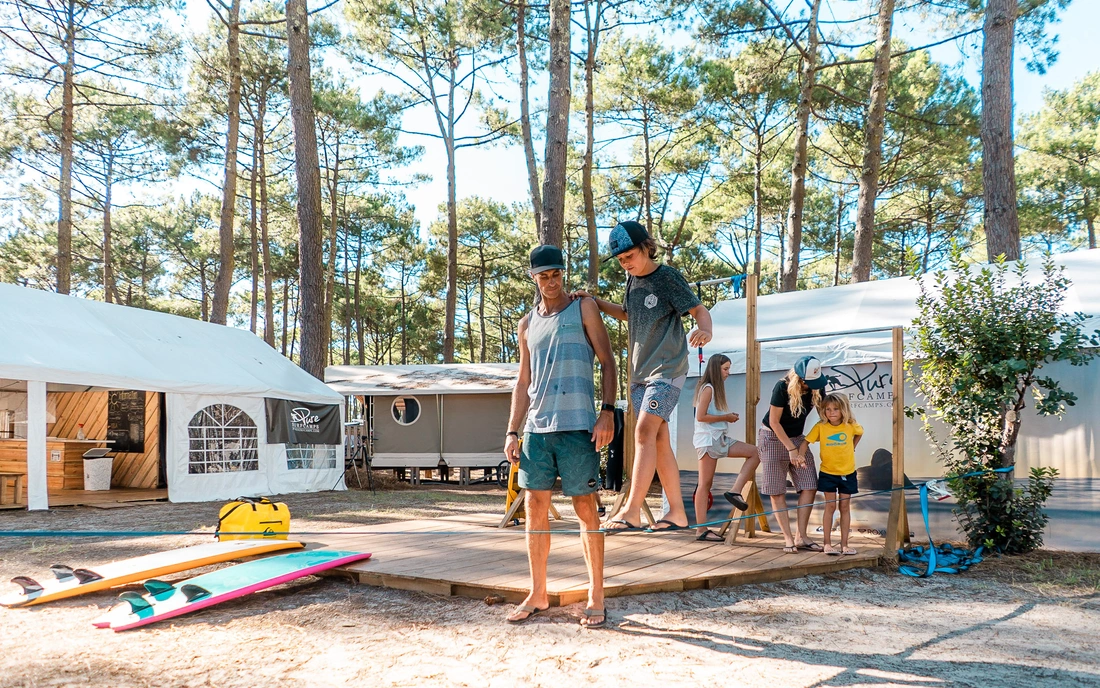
(981, 339)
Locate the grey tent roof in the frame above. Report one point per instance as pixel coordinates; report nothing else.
(455, 378)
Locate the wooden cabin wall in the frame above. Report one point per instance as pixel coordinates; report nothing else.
(90, 408)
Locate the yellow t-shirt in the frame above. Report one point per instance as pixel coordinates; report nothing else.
(838, 449)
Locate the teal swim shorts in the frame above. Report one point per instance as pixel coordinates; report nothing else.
(572, 456)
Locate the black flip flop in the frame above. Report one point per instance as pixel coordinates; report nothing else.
(811, 547)
(671, 526)
(630, 527)
(589, 613)
(709, 536)
(532, 612)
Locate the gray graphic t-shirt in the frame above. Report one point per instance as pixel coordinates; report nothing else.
(654, 306)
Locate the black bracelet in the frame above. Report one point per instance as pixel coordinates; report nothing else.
(513, 432)
(608, 407)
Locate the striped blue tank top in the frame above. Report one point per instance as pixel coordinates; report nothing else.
(562, 392)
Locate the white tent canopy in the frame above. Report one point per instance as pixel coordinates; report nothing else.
(462, 378)
(860, 364)
(863, 306)
(56, 342)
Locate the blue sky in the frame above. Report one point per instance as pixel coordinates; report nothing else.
(499, 172)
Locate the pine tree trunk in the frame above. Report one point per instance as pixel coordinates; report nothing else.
(525, 111)
(110, 293)
(269, 299)
(836, 241)
(357, 304)
(647, 177)
(789, 279)
(593, 28)
(224, 280)
(481, 299)
(285, 311)
(253, 250)
(451, 306)
(65, 183)
(557, 126)
(311, 287)
(330, 268)
(872, 146)
(1002, 224)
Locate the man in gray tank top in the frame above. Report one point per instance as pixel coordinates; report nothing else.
(562, 434)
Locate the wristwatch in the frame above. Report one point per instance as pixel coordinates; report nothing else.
(608, 407)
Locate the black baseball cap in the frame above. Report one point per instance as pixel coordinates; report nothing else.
(546, 257)
(626, 235)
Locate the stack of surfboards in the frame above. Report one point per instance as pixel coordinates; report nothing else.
(166, 600)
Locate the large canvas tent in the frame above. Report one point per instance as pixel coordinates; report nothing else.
(214, 381)
(426, 416)
(861, 361)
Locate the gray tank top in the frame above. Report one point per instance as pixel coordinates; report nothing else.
(562, 391)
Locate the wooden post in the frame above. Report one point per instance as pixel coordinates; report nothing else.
(752, 395)
(897, 525)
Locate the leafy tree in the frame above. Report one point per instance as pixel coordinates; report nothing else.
(1060, 168)
(982, 337)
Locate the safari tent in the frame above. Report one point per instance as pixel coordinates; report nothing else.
(206, 411)
(861, 362)
(428, 416)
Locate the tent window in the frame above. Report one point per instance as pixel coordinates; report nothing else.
(311, 456)
(406, 410)
(223, 439)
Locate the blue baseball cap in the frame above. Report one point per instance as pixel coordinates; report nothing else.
(625, 236)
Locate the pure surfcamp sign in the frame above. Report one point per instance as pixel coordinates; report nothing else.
(300, 422)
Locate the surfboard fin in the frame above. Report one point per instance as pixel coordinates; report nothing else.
(157, 587)
(86, 576)
(30, 586)
(137, 603)
(194, 592)
(62, 573)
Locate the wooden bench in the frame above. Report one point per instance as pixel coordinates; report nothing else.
(16, 478)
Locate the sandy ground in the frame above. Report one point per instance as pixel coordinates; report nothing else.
(1032, 621)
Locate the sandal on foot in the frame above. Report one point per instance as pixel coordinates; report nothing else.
(587, 621)
(669, 525)
(709, 535)
(628, 527)
(790, 549)
(528, 609)
(811, 547)
(848, 551)
(737, 500)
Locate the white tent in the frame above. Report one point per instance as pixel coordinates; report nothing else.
(861, 361)
(50, 342)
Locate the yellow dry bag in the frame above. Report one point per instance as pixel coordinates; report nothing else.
(253, 518)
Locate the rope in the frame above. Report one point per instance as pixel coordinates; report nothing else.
(946, 558)
(482, 531)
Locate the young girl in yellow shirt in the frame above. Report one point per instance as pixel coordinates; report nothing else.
(838, 433)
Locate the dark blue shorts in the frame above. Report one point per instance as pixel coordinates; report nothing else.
(844, 484)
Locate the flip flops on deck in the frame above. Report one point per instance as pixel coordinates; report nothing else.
(709, 535)
(811, 547)
(669, 526)
(630, 527)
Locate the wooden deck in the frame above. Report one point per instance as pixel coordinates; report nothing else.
(102, 499)
(470, 557)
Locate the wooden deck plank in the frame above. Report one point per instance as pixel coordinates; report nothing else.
(452, 556)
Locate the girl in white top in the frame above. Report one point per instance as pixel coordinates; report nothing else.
(712, 442)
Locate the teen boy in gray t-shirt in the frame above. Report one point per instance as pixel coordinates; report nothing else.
(657, 296)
